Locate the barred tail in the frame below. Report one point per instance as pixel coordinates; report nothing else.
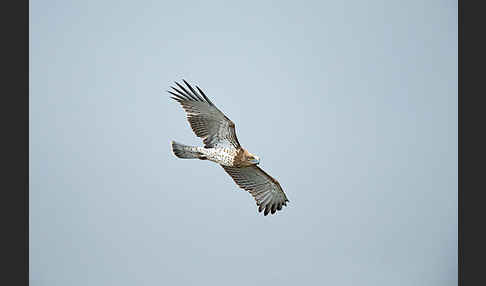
(186, 152)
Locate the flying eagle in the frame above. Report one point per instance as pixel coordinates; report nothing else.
(221, 146)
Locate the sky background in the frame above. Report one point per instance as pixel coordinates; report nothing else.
(351, 105)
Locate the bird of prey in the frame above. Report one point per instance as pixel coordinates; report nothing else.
(222, 147)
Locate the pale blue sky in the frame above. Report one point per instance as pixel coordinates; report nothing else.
(351, 105)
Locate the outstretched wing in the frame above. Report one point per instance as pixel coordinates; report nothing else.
(206, 120)
(266, 191)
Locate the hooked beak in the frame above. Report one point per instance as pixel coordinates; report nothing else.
(255, 160)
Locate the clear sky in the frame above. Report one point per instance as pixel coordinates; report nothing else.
(351, 105)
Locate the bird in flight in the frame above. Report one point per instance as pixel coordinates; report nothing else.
(222, 147)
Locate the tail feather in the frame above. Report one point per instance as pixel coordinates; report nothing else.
(186, 152)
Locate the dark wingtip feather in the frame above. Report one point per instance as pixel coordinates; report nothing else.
(193, 91)
(205, 97)
(187, 84)
(186, 93)
(267, 209)
(176, 96)
(180, 94)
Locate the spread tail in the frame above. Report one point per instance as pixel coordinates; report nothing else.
(186, 152)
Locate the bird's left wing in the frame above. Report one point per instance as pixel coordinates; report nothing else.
(206, 120)
(266, 191)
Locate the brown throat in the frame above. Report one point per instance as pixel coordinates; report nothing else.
(241, 158)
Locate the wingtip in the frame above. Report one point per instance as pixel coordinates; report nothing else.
(267, 210)
(270, 210)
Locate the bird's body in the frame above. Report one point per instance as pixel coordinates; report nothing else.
(222, 147)
(225, 156)
(221, 155)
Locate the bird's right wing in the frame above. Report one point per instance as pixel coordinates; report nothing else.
(266, 191)
(206, 120)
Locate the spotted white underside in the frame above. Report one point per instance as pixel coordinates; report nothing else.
(221, 155)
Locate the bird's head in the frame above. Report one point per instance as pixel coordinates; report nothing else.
(251, 159)
(254, 159)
